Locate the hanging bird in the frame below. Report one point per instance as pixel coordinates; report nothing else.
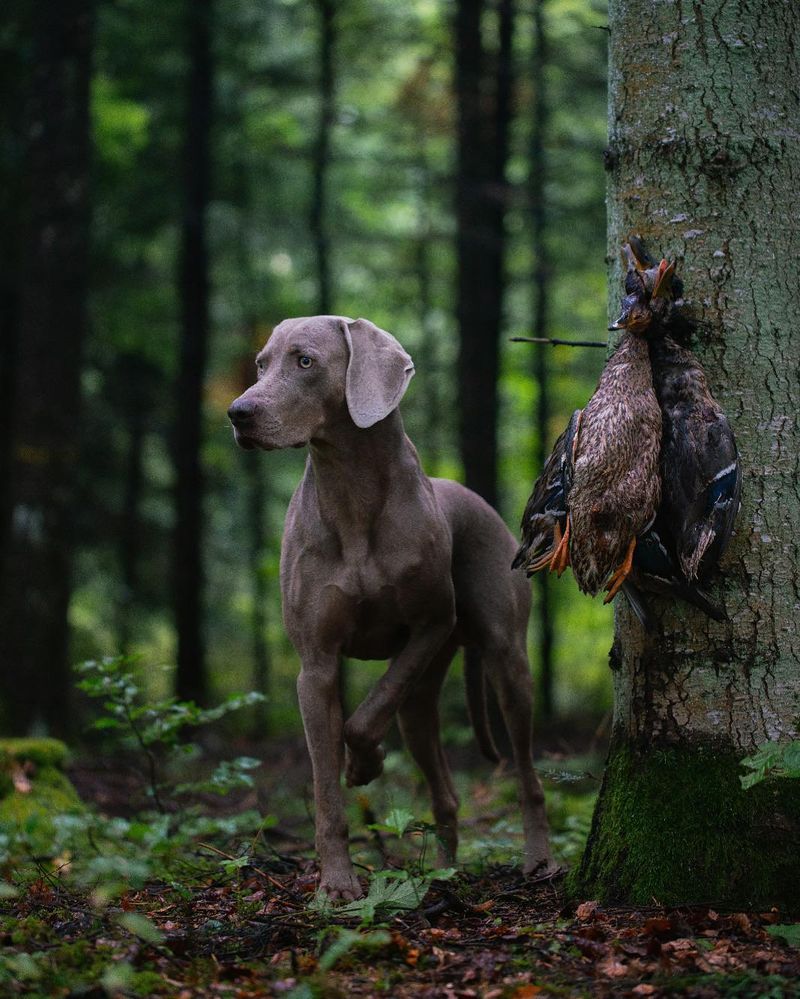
(544, 523)
(545, 518)
(700, 469)
(615, 488)
(700, 462)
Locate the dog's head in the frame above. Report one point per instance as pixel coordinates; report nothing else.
(314, 372)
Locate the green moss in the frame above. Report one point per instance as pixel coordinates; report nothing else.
(42, 752)
(29, 812)
(674, 826)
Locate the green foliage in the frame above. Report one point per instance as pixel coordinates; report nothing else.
(772, 759)
(348, 942)
(790, 932)
(110, 855)
(160, 727)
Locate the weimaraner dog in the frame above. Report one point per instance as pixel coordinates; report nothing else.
(380, 562)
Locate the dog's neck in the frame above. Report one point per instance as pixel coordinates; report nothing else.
(354, 471)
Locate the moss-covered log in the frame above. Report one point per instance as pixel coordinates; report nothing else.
(704, 162)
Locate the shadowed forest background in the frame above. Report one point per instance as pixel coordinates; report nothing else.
(176, 178)
(194, 174)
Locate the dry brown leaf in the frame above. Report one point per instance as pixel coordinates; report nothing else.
(586, 910)
(612, 968)
(643, 990)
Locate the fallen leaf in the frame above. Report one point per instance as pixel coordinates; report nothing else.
(657, 925)
(741, 922)
(612, 968)
(586, 910)
(643, 990)
(527, 991)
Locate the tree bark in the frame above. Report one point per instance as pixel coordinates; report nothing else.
(192, 681)
(483, 93)
(704, 163)
(44, 383)
(541, 292)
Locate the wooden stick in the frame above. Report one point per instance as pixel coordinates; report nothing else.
(558, 343)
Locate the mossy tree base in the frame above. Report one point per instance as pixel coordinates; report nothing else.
(28, 807)
(673, 826)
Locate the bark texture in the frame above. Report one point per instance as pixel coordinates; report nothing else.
(704, 162)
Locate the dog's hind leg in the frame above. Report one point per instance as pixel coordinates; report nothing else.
(419, 724)
(506, 663)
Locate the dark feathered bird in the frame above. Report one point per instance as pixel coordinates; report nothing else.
(606, 463)
(544, 521)
(616, 486)
(702, 479)
(544, 524)
(699, 461)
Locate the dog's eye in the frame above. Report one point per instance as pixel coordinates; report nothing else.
(304, 361)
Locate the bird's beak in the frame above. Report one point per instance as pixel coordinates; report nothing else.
(621, 323)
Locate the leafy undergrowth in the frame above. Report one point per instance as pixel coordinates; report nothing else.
(493, 935)
(172, 872)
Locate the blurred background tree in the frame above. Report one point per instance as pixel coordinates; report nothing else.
(434, 166)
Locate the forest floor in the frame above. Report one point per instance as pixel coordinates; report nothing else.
(248, 925)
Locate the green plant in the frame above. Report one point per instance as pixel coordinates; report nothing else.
(111, 854)
(772, 759)
(158, 730)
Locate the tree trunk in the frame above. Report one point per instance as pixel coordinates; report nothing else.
(541, 290)
(704, 162)
(192, 682)
(14, 71)
(428, 360)
(483, 93)
(322, 155)
(45, 388)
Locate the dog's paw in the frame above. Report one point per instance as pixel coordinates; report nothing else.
(363, 766)
(340, 886)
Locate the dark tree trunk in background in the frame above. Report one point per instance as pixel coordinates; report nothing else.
(708, 172)
(136, 382)
(44, 393)
(541, 290)
(322, 154)
(483, 94)
(428, 361)
(14, 70)
(192, 681)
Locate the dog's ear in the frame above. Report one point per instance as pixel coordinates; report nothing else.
(378, 372)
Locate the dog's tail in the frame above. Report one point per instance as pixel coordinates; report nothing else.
(475, 682)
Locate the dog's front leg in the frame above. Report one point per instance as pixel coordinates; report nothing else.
(320, 706)
(367, 726)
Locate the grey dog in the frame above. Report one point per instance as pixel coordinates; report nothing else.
(380, 562)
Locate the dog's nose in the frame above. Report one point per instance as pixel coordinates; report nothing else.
(241, 410)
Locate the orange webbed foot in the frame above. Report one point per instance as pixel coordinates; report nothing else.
(560, 559)
(620, 575)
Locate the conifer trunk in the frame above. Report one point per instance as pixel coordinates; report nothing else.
(194, 290)
(704, 162)
(42, 377)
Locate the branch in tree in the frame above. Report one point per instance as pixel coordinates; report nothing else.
(558, 343)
